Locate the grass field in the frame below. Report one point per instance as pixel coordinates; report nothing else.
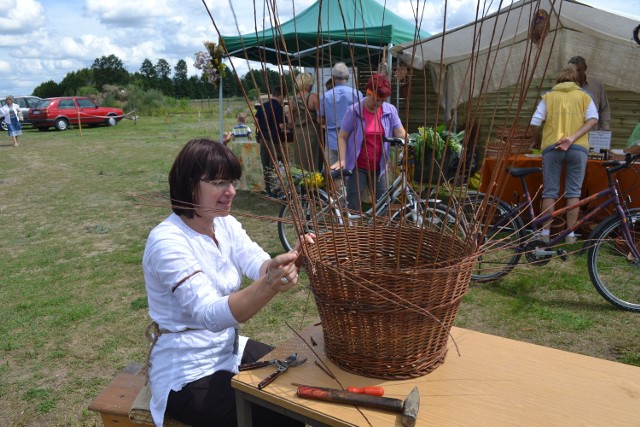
(74, 216)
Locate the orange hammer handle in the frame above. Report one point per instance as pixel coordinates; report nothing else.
(370, 390)
(341, 396)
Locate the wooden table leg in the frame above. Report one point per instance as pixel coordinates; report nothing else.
(243, 410)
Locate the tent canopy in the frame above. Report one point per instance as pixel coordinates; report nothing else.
(352, 31)
(495, 52)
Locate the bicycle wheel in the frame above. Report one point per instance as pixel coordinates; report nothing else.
(614, 270)
(433, 216)
(500, 234)
(313, 215)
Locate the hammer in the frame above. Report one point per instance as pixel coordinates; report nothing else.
(408, 408)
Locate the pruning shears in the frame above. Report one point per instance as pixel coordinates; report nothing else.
(281, 367)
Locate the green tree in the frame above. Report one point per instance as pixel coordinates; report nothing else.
(148, 75)
(148, 70)
(48, 89)
(89, 91)
(180, 79)
(231, 84)
(109, 70)
(137, 79)
(263, 80)
(163, 70)
(75, 80)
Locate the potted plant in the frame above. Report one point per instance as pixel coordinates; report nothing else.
(429, 144)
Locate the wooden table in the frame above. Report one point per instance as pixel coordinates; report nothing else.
(494, 382)
(496, 181)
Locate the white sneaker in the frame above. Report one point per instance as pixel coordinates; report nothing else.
(571, 239)
(544, 238)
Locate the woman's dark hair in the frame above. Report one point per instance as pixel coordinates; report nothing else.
(199, 159)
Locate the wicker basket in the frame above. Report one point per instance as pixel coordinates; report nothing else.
(387, 297)
(509, 141)
(507, 133)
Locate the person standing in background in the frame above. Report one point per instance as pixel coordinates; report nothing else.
(597, 92)
(333, 106)
(12, 117)
(306, 150)
(241, 131)
(361, 141)
(270, 121)
(568, 113)
(328, 85)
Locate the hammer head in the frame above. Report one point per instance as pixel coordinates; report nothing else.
(410, 408)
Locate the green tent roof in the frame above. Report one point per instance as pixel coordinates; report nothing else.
(353, 31)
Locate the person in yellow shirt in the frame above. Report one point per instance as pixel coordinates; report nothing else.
(568, 112)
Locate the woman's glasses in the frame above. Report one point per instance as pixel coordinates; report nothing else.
(223, 184)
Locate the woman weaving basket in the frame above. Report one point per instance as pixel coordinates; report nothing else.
(193, 264)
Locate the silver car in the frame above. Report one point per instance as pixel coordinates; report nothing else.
(24, 102)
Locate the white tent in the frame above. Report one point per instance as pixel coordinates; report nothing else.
(496, 52)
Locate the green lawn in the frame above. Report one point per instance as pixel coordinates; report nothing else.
(75, 211)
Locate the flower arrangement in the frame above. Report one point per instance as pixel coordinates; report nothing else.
(300, 177)
(311, 179)
(428, 138)
(210, 62)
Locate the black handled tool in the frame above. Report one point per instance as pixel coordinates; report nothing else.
(282, 365)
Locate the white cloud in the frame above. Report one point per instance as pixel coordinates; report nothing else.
(20, 16)
(128, 13)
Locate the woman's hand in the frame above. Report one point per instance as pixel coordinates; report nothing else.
(308, 238)
(337, 165)
(282, 273)
(564, 143)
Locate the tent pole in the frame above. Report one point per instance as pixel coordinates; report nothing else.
(389, 64)
(455, 120)
(220, 109)
(390, 74)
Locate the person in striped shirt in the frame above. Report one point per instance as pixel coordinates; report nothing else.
(241, 131)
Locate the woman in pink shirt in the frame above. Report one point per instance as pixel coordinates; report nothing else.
(361, 141)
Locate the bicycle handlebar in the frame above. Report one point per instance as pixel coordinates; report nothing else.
(345, 172)
(394, 141)
(337, 173)
(617, 165)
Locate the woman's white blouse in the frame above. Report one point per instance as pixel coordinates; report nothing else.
(196, 310)
(5, 112)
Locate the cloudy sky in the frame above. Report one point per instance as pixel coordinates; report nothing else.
(43, 40)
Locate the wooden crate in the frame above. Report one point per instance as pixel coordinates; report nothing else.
(114, 403)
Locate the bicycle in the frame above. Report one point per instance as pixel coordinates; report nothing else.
(318, 211)
(614, 245)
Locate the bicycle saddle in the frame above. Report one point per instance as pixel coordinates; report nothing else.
(522, 171)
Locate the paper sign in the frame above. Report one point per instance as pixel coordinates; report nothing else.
(600, 139)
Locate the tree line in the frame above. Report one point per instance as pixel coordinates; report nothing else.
(110, 70)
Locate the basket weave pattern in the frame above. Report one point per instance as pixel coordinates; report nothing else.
(377, 289)
(509, 141)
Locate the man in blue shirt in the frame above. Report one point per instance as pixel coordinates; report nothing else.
(333, 106)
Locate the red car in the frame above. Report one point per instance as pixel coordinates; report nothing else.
(68, 110)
